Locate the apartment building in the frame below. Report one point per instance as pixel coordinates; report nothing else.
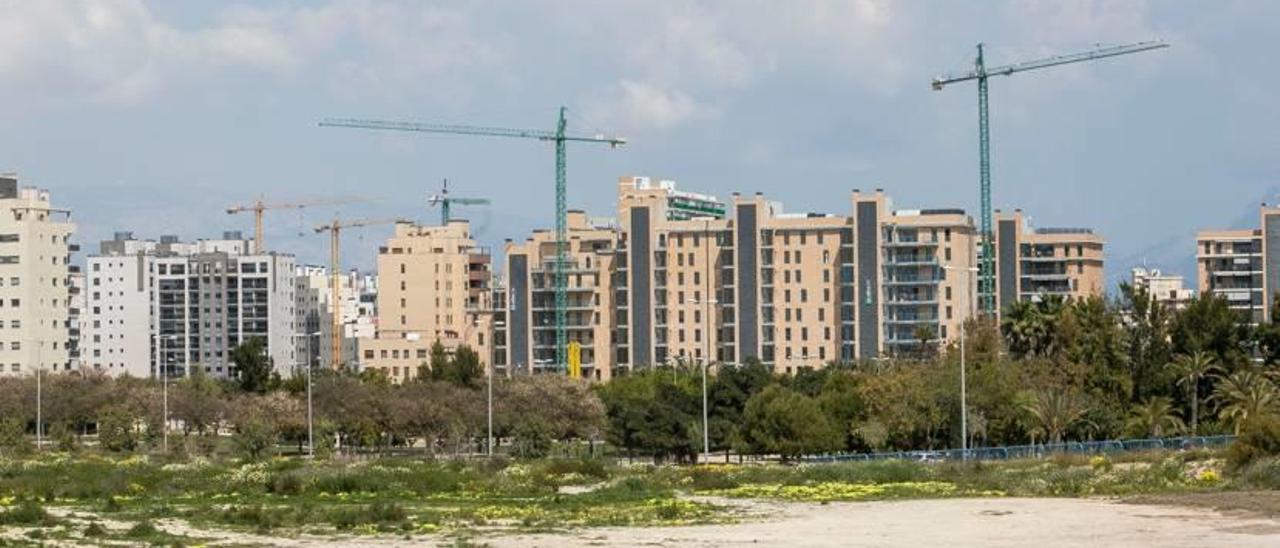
(314, 313)
(1166, 289)
(664, 285)
(34, 290)
(1242, 266)
(1032, 263)
(433, 285)
(171, 306)
(529, 332)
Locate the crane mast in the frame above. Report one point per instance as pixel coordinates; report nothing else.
(981, 73)
(561, 138)
(335, 229)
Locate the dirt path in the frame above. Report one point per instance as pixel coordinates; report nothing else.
(949, 522)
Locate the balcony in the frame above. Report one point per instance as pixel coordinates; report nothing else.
(911, 320)
(911, 281)
(899, 244)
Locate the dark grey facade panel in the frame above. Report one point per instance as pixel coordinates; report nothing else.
(748, 305)
(641, 289)
(1007, 262)
(518, 304)
(1271, 266)
(867, 254)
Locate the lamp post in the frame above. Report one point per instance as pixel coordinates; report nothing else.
(706, 361)
(489, 403)
(311, 440)
(964, 403)
(39, 398)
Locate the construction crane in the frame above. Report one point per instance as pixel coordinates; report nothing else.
(258, 207)
(444, 201)
(980, 72)
(561, 139)
(335, 229)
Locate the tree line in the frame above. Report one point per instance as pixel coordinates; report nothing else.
(1048, 371)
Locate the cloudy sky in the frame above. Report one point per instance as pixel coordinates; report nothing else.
(154, 116)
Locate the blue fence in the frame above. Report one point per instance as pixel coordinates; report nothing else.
(1036, 451)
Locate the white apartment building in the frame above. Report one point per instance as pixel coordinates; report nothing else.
(1164, 288)
(185, 305)
(34, 296)
(313, 310)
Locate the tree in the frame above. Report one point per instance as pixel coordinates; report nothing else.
(253, 366)
(117, 428)
(197, 402)
(1054, 412)
(1191, 370)
(256, 428)
(1155, 417)
(436, 363)
(464, 369)
(1209, 324)
(1245, 395)
(779, 420)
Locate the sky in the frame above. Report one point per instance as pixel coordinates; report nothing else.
(153, 117)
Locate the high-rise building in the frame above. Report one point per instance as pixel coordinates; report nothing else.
(1242, 266)
(35, 296)
(662, 285)
(1034, 263)
(176, 306)
(314, 310)
(433, 285)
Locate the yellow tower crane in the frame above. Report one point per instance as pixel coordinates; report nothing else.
(258, 207)
(335, 229)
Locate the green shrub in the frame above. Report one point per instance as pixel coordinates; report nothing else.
(142, 530)
(1261, 473)
(13, 437)
(286, 483)
(1259, 438)
(27, 512)
(95, 530)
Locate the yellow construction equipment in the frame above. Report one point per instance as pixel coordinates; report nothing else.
(335, 229)
(575, 360)
(258, 207)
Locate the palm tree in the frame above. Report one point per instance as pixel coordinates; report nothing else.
(1191, 369)
(1244, 395)
(1054, 412)
(1155, 418)
(1021, 325)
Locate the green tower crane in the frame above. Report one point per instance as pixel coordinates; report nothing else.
(444, 201)
(561, 138)
(980, 72)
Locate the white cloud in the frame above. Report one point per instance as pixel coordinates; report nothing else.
(638, 106)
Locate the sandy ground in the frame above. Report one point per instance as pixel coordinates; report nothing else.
(1235, 520)
(948, 522)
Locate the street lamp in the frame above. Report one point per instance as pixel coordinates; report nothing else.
(39, 398)
(311, 441)
(164, 368)
(964, 403)
(706, 360)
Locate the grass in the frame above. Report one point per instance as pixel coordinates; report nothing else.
(407, 497)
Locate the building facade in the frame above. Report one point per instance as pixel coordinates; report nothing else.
(433, 285)
(1242, 266)
(742, 280)
(1166, 289)
(35, 296)
(1034, 263)
(168, 307)
(314, 309)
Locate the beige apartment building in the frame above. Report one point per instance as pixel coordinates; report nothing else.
(1033, 263)
(1242, 266)
(433, 285)
(682, 277)
(34, 290)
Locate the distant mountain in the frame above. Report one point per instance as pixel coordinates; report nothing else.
(1177, 254)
